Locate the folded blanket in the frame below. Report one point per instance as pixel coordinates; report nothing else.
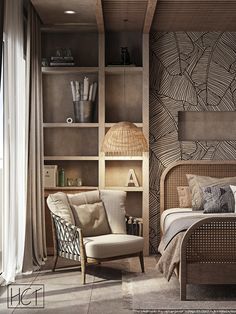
(170, 258)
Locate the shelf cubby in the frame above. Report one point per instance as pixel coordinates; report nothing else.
(85, 169)
(116, 40)
(134, 202)
(57, 96)
(116, 172)
(83, 45)
(70, 142)
(123, 97)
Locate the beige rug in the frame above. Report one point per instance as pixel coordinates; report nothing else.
(151, 293)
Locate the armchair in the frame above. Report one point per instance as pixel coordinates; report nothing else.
(92, 227)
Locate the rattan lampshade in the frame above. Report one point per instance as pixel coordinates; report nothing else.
(124, 139)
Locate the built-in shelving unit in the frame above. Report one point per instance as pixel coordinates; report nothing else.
(122, 96)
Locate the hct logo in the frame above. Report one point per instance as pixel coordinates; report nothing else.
(25, 296)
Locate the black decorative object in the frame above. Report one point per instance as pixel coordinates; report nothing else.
(125, 58)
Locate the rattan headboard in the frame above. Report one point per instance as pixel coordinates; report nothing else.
(175, 175)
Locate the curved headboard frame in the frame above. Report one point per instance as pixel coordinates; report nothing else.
(175, 175)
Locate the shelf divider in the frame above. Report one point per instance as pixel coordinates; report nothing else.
(70, 125)
(122, 69)
(79, 158)
(68, 70)
(125, 188)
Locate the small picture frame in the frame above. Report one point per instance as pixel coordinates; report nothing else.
(50, 176)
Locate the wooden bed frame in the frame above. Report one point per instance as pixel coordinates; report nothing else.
(208, 249)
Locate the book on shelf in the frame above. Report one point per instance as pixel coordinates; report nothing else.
(58, 61)
(50, 176)
(62, 64)
(62, 58)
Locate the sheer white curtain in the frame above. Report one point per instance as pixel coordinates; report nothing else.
(15, 142)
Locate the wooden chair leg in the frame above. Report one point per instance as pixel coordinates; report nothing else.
(83, 270)
(141, 261)
(55, 263)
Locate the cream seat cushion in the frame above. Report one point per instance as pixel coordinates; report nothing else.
(111, 245)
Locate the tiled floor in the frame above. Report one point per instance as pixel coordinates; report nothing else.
(65, 294)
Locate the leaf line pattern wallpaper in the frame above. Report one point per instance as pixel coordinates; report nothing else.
(189, 71)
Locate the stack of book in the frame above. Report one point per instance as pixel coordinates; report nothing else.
(62, 61)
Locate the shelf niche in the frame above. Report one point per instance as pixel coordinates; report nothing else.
(116, 40)
(123, 97)
(86, 170)
(71, 142)
(57, 96)
(117, 172)
(133, 204)
(84, 46)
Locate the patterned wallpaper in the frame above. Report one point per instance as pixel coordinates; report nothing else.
(189, 71)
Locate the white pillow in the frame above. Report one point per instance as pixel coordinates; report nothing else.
(233, 188)
(58, 204)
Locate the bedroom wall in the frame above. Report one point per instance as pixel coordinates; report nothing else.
(189, 71)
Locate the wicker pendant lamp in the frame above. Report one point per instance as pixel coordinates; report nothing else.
(124, 139)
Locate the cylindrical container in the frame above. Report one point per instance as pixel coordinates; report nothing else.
(83, 110)
(79, 181)
(70, 182)
(61, 178)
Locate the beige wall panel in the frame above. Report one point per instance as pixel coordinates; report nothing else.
(71, 142)
(206, 126)
(124, 97)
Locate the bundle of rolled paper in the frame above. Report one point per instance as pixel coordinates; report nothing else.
(83, 90)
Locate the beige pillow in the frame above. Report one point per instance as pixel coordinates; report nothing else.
(185, 196)
(197, 183)
(84, 198)
(58, 204)
(92, 219)
(114, 202)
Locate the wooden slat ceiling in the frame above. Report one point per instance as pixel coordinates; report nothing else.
(124, 15)
(195, 15)
(129, 15)
(51, 12)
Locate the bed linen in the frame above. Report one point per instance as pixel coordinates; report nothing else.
(174, 223)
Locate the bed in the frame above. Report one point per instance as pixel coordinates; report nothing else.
(207, 249)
